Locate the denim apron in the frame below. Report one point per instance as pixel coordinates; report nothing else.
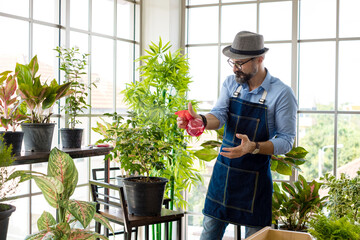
(240, 189)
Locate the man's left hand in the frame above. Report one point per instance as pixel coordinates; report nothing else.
(245, 147)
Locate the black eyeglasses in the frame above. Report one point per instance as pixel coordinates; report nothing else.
(238, 64)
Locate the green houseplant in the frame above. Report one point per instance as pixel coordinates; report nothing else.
(294, 206)
(73, 63)
(12, 111)
(57, 186)
(154, 99)
(7, 187)
(40, 99)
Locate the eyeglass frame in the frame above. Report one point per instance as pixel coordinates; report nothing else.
(238, 65)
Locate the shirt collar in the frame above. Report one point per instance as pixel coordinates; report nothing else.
(265, 84)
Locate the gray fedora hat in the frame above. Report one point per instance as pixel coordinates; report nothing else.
(246, 45)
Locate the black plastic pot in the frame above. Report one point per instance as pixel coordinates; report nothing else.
(145, 198)
(4, 219)
(38, 136)
(15, 139)
(71, 138)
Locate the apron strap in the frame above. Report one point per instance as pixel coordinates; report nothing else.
(262, 99)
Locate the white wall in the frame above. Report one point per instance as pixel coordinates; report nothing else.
(161, 18)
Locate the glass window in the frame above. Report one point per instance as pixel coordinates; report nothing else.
(317, 88)
(46, 10)
(103, 16)
(19, 221)
(275, 20)
(79, 14)
(317, 19)
(348, 81)
(125, 19)
(203, 27)
(349, 18)
(235, 18)
(15, 7)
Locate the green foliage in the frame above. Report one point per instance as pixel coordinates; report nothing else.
(325, 228)
(160, 93)
(294, 206)
(6, 159)
(12, 111)
(344, 195)
(57, 187)
(282, 164)
(39, 97)
(73, 63)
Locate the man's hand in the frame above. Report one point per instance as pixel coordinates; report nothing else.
(245, 147)
(183, 122)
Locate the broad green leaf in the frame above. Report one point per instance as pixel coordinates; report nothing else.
(77, 234)
(297, 152)
(51, 188)
(283, 168)
(45, 221)
(62, 167)
(206, 154)
(103, 221)
(81, 210)
(211, 144)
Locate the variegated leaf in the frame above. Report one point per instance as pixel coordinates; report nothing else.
(42, 235)
(103, 221)
(45, 221)
(80, 234)
(62, 167)
(81, 210)
(24, 175)
(51, 188)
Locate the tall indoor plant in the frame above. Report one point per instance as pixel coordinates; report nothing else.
(73, 63)
(12, 111)
(154, 99)
(57, 186)
(7, 187)
(40, 99)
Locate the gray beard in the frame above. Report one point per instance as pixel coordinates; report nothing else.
(241, 77)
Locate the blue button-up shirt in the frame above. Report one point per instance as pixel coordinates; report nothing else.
(281, 113)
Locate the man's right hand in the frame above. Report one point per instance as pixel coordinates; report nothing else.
(183, 122)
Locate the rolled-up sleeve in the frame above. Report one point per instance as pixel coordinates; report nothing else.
(285, 122)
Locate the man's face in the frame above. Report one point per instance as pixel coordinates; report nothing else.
(246, 71)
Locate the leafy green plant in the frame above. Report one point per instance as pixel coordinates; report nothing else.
(57, 186)
(73, 63)
(282, 164)
(328, 228)
(7, 186)
(154, 99)
(294, 206)
(344, 195)
(12, 111)
(39, 97)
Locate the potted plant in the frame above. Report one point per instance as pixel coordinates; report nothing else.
(294, 207)
(161, 91)
(7, 187)
(142, 151)
(57, 186)
(282, 164)
(12, 111)
(40, 99)
(73, 64)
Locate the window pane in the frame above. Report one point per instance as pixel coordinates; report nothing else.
(103, 16)
(204, 25)
(124, 71)
(19, 220)
(203, 70)
(275, 20)
(15, 7)
(232, 1)
(317, 88)
(348, 61)
(278, 61)
(348, 144)
(316, 135)
(17, 47)
(200, 2)
(125, 19)
(232, 22)
(102, 57)
(39, 205)
(46, 10)
(317, 19)
(79, 14)
(349, 18)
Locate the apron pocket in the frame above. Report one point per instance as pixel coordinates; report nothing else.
(216, 190)
(240, 124)
(241, 189)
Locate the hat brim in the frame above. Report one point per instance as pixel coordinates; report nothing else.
(226, 51)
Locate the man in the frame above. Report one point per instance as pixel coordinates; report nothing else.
(259, 113)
